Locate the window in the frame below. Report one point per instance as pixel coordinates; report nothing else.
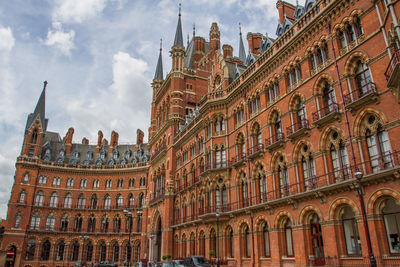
(83, 183)
(60, 251)
(283, 180)
(107, 202)
(93, 202)
(26, 177)
(64, 222)
(104, 224)
(56, 181)
(53, 200)
(265, 241)
(96, 184)
(391, 217)
(230, 243)
(22, 197)
(244, 194)
(50, 222)
(339, 159)
(350, 229)
(42, 180)
(363, 79)
(18, 218)
(131, 182)
(70, 182)
(92, 224)
(68, 201)
(294, 76)
(247, 242)
(320, 56)
(273, 92)
(115, 252)
(81, 201)
(103, 251)
(35, 221)
(75, 251)
(78, 223)
(30, 249)
(39, 199)
(117, 224)
(329, 100)
(254, 105)
(45, 251)
(89, 251)
(289, 239)
(131, 201)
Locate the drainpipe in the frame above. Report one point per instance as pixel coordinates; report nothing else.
(341, 96)
(383, 30)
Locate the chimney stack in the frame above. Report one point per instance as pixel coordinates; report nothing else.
(68, 140)
(114, 141)
(99, 141)
(85, 141)
(255, 41)
(139, 137)
(228, 51)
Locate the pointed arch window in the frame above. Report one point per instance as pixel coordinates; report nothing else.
(131, 201)
(329, 100)
(78, 223)
(244, 194)
(103, 251)
(230, 243)
(64, 222)
(289, 239)
(378, 145)
(283, 180)
(45, 251)
(107, 202)
(35, 221)
(68, 201)
(93, 202)
(262, 183)
(247, 245)
(265, 241)
(120, 201)
(30, 250)
(115, 252)
(363, 79)
(391, 217)
(53, 200)
(39, 199)
(104, 224)
(18, 218)
(50, 222)
(273, 92)
(92, 224)
(75, 251)
(350, 230)
(60, 251)
(22, 197)
(89, 251)
(339, 161)
(81, 201)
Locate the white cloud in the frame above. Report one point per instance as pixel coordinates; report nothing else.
(129, 81)
(77, 11)
(57, 37)
(7, 39)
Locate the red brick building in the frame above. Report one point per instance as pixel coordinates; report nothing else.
(253, 159)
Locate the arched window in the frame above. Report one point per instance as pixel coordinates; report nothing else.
(107, 202)
(64, 222)
(115, 252)
(120, 201)
(45, 251)
(22, 197)
(391, 217)
(75, 251)
(141, 200)
(262, 183)
(50, 222)
(103, 251)
(91, 224)
(289, 239)
(307, 168)
(93, 202)
(78, 223)
(53, 200)
(339, 159)
(273, 92)
(60, 251)
(363, 79)
(131, 201)
(89, 251)
(244, 194)
(316, 238)
(39, 199)
(229, 243)
(35, 221)
(202, 244)
(265, 241)
(246, 242)
(81, 201)
(213, 241)
(283, 180)
(18, 218)
(30, 249)
(117, 224)
(68, 201)
(329, 100)
(350, 230)
(104, 224)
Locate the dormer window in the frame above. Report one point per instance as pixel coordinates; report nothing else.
(102, 153)
(89, 154)
(76, 154)
(115, 154)
(47, 154)
(127, 153)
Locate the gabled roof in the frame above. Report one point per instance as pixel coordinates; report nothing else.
(39, 111)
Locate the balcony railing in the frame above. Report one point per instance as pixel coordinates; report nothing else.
(296, 127)
(156, 153)
(157, 196)
(341, 176)
(325, 113)
(393, 65)
(362, 92)
(258, 148)
(274, 140)
(239, 158)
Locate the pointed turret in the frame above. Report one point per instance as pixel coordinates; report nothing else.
(178, 50)
(178, 34)
(39, 111)
(35, 128)
(159, 69)
(242, 52)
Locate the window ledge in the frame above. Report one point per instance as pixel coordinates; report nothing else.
(291, 258)
(391, 257)
(347, 257)
(265, 258)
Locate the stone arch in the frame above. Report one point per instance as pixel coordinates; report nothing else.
(306, 211)
(226, 227)
(256, 168)
(325, 135)
(258, 224)
(293, 100)
(280, 216)
(275, 157)
(320, 83)
(239, 176)
(298, 145)
(361, 115)
(352, 60)
(242, 224)
(373, 202)
(339, 202)
(156, 216)
(275, 111)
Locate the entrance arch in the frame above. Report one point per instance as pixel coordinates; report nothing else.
(156, 238)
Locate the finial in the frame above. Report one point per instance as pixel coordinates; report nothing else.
(160, 44)
(44, 85)
(297, 2)
(240, 28)
(194, 30)
(180, 6)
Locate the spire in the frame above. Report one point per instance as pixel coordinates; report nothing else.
(178, 35)
(194, 30)
(159, 68)
(242, 52)
(39, 110)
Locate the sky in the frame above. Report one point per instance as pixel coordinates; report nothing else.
(99, 58)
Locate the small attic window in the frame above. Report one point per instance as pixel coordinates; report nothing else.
(115, 154)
